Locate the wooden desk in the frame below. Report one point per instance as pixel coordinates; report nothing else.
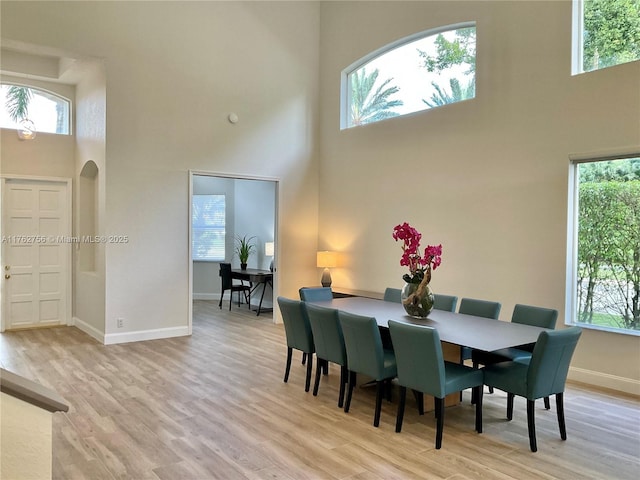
(255, 277)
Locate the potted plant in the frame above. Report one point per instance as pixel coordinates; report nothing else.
(244, 248)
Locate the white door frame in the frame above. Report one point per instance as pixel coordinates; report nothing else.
(193, 173)
(69, 280)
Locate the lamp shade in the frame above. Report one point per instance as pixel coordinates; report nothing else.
(269, 248)
(327, 259)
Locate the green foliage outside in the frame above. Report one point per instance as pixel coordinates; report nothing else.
(611, 33)
(449, 53)
(369, 105)
(608, 287)
(17, 102)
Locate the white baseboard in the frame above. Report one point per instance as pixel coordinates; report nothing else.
(604, 380)
(206, 296)
(88, 329)
(141, 335)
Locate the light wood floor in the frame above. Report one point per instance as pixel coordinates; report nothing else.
(213, 405)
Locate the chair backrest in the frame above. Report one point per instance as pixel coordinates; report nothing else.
(315, 294)
(419, 357)
(225, 273)
(363, 343)
(550, 361)
(535, 316)
(479, 308)
(392, 295)
(327, 334)
(296, 324)
(445, 302)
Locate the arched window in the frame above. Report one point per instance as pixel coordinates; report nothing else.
(423, 71)
(49, 113)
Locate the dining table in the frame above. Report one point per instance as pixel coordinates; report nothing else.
(456, 330)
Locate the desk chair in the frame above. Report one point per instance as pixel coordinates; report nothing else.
(366, 355)
(422, 368)
(329, 343)
(227, 284)
(544, 374)
(298, 332)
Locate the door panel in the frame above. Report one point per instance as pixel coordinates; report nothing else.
(36, 256)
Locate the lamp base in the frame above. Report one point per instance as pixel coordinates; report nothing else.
(326, 278)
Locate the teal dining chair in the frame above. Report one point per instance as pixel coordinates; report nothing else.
(392, 295)
(421, 367)
(445, 302)
(298, 332)
(478, 308)
(525, 315)
(315, 294)
(366, 355)
(542, 375)
(329, 345)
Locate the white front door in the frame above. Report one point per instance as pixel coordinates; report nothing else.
(36, 251)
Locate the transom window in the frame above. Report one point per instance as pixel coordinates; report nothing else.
(208, 227)
(605, 281)
(48, 112)
(423, 71)
(605, 33)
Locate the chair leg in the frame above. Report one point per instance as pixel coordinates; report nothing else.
(343, 381)
(560, 411)
(221, 296)
(316, 384)
(547, 403)
(531, 423)
(380, 387)
(400, 415)
(325, 368)
(479, 392)
(419, 401)
(352, 382)
(510, 406)
(388, 390)
(439, 421)
(304, 358)
(286, 371)
(307, 381)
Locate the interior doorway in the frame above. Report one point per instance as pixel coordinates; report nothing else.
(222, 209)
(36, 252)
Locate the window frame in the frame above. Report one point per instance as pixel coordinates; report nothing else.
(571, 295)
(345, 94)
(45, 93)
(195, 228)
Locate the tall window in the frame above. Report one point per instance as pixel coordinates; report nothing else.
(416, 73)
(606, 33)
(49, 113)
(606, 284)
(208, 227)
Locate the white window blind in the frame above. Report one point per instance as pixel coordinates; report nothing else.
(208, 227)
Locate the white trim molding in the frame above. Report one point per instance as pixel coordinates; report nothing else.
(142, 335)
(605, 380)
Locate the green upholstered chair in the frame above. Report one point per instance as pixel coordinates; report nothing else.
(366, 355)
(422, 368)
(526, 315)
(315, 294)
(479, 308)
(392, 295)
(329, 344)
(445, 302)
(298, 331)
(542, 375)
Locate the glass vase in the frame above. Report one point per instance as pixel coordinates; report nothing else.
(417, 303)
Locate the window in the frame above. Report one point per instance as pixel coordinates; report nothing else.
(605, 33)
(423, 71)
(606, 274)
(48, 112)
(208, 224)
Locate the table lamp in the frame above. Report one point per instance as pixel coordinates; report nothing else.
(269, 251)
(326, 260)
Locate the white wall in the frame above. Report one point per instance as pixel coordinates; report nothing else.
(174, 71)
(487, 178)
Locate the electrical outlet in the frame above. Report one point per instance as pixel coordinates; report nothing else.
(120, 322)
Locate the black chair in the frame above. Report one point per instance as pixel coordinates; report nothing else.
(227, 284)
